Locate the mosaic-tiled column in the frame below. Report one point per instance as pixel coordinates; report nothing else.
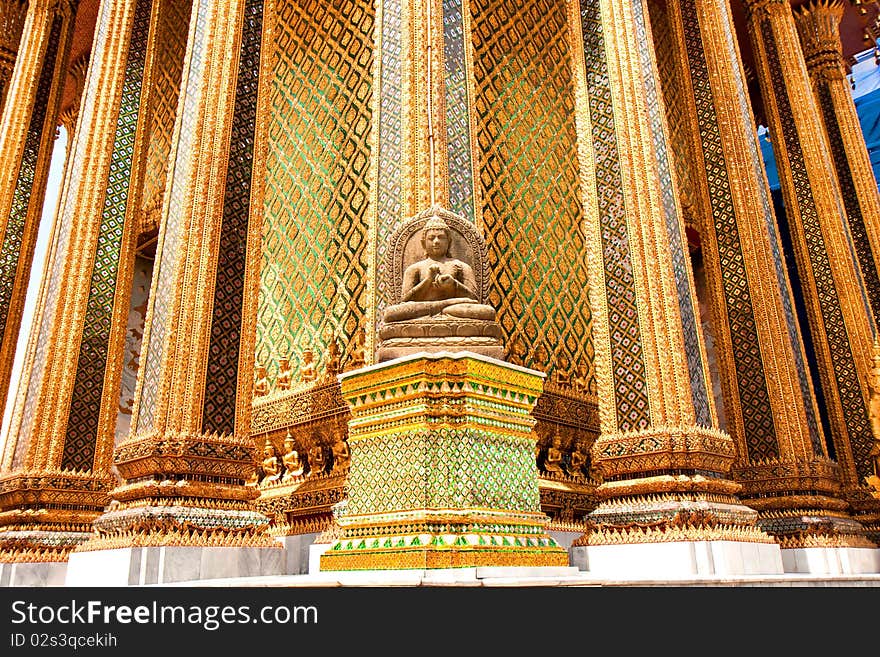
(63, 440)
(190, 452)
(660, 452)
(769, 402)
(27, 135)
(12, 15)
(9, 448)
(838, 311)
(818, 24)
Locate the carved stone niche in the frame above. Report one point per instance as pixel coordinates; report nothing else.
(567, 496)
(316, 416)
(438, 331)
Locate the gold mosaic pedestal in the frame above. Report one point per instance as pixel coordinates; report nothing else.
(443, 470)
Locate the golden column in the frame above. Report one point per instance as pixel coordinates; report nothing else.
(424, 148)
(8, 462)
(27, 135)
(190, 451)
(769, 401)
(818, 24)
(664, 461)
(839, 314)
(62, 440)
(12, 15)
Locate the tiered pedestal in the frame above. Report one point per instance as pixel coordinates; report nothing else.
(443, 471)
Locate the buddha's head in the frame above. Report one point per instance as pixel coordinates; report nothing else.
(436, 237)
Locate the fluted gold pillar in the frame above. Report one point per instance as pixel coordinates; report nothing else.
(27, 135)
(12, 15)
(818, 25)
(63, 441)
(769, 401)
(660, 451)
(840, 320)
(190, 450)
(425, 147)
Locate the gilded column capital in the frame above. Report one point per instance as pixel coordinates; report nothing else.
(65, 8)
(818, 24)
(756, 9)
(69, 114)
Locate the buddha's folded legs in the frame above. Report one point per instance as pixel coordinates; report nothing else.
(408, 310)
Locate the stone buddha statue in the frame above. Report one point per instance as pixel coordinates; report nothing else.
(439, 299)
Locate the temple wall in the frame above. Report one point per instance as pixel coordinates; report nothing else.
(528, 174)
(313, 276)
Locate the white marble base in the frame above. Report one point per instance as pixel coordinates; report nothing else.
(577, 559)
(297, 551)
(48, 573)
(167, 564)
(498, 575)
(831, 561)
(677, 559)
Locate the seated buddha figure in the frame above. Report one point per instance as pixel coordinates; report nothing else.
(438, 286)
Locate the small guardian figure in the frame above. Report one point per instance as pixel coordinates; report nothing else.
(317, 459)
(553, 460)
(261, 380)
(341, 455)
(285, 374)
(293, 464)
(270, 464)
(307, 373)
(333, 366)
(358, 356)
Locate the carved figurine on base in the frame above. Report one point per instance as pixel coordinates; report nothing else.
(293, 464)
(553, 460)
(317, 459)
(341, 455)
(581, 382)
(307, 373)
(285, 374)
(560, 373)
(333, 366)
(270, 464)
(358, 356)
(578, 460)
(261, 380)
